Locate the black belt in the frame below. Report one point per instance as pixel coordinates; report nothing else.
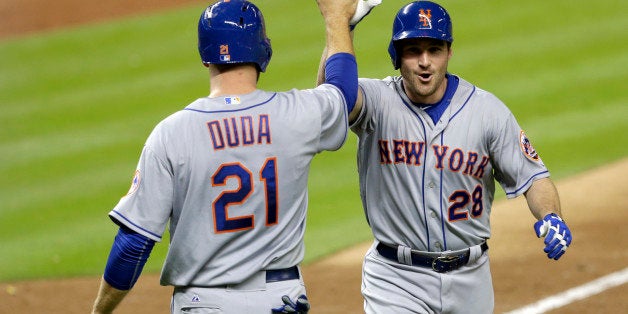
(274, 275)
(440, 264)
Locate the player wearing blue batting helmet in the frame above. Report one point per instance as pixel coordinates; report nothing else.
(233, 32)
(419, 19)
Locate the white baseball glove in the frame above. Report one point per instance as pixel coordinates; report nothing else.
(363, 9)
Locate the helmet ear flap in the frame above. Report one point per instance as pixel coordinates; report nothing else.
(394, 56)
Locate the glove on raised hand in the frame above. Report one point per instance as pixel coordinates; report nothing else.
(301, 306)
(556, 233)
(363, 9)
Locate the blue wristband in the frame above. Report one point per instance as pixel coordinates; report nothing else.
(129, 253)
(341, 70)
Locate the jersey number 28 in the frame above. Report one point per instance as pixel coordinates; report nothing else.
(460, 199)
(220, 207)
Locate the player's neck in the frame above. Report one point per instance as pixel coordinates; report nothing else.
(234, 81)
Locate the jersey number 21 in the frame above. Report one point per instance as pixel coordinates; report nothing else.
(220, 207)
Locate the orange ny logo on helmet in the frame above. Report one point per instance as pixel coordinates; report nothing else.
(425, 18)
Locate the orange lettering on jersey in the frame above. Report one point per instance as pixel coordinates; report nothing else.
(384, 152)
(399, 151)
(264, 130)
(215, 133)
(403, 151)
(440, 152)
(479, 173)
(247, 130)
(425, 18)
(241, 131)
(231, 132)
(472, 158)
(412, 153)
(456, 158)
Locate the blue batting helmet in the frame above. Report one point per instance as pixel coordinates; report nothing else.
(233, 31)
(420, 19)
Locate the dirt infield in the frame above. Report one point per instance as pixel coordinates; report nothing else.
(19, 17)
(594, 205)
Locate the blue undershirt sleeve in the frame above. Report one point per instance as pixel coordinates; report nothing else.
(341, 70)
(129, 253)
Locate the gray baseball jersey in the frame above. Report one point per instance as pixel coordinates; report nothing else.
(230, 176)
(429, 186)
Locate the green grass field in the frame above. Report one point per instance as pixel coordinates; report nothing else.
(77, 104)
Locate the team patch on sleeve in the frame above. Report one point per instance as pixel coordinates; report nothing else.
(135, 183)
(527, 148)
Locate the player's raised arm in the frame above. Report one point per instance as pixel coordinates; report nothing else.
(337, 14)
(334, 43)
(340, 66)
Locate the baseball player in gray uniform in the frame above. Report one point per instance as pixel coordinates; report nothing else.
(228, 174)
(431, 146)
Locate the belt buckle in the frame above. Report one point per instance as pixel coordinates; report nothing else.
(444, 264)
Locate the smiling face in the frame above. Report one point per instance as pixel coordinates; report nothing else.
(423, 67)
